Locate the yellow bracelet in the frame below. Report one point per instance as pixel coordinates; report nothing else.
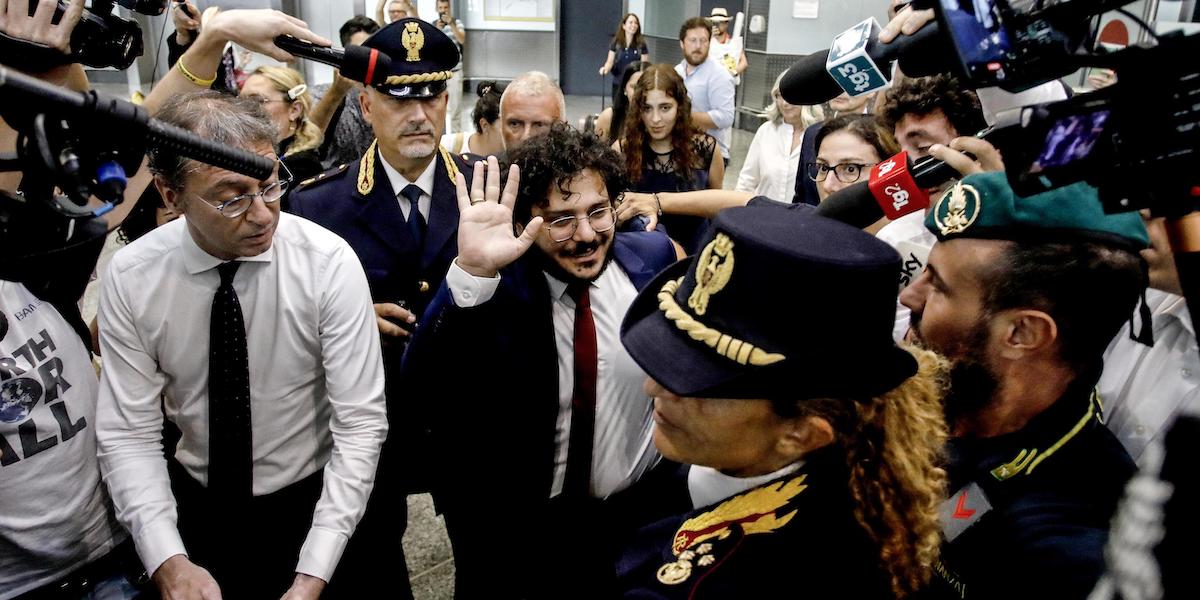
(204, 83)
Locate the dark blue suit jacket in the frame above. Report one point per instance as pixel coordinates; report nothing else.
(487, 379)
(806, 188)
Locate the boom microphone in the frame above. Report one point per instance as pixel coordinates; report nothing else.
(808, 82)
(366, 65)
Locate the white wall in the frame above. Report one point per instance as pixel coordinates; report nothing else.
(788, 35)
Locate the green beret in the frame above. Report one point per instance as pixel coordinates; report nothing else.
(984, 206)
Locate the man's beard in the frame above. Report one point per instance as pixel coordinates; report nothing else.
(973, 385)
(417, 151)
(697, 62)
(551, 266)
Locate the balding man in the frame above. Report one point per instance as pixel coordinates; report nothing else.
(530, 104)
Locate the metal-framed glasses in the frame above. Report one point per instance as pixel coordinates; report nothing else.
(238, 205)
(563, 228)
(845, 172)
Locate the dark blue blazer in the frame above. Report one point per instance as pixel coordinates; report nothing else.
(806, 188)
(486, 379)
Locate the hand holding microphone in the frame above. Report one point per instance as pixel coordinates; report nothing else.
(359, 63)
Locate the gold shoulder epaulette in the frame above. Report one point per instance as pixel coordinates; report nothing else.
(326, 176)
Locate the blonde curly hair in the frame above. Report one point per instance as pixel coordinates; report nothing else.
(894, 445)
(307, 136)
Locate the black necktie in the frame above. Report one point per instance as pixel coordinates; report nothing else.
(577, 482)
(230, 448)
(416, 222)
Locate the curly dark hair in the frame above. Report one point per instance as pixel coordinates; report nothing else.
(635, 140)
(554, 159)
(924, 95)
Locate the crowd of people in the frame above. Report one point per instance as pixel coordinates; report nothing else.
(615, 377)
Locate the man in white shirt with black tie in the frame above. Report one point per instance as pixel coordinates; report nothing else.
(256, 331)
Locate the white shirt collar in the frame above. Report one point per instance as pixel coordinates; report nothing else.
(196, 260)
(558, 287)
(1164, 306)
(708, 486)
(399, 182)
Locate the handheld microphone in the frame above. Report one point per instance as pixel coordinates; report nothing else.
(895, 188)
(812, 79)
(362, 64)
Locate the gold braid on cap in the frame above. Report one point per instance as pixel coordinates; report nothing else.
(418, 78)
(725, 345)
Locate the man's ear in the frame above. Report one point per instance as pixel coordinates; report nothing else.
(364, 102)
(172, 199)
(1025, 332)
(804, 435)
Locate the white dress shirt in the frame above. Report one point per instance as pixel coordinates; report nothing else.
(316, 379)
(771, 163)
(1144, 388)
(707, 485)
(399, 182)
(711, 90)
(623, 446)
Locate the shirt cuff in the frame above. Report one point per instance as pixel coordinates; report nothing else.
(158, 542)
(320, 553)
(468, 290)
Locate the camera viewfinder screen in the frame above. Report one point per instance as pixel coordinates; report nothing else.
(1071, 139)
(978, 32)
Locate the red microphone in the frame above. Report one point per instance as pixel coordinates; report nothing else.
(894, 188)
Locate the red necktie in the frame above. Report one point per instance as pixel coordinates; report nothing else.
(583, 399)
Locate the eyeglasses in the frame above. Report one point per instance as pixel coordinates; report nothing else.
(265, 100)
(563, 228)
(238, 205)
(845, 172)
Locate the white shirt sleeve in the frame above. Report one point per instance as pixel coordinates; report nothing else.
(468, 290)
(354, 381)
(750, 176)
(129, 431)
(721, 99)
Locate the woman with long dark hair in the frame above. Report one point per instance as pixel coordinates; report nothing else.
(664, 152)
(628, 47)
(615, 114)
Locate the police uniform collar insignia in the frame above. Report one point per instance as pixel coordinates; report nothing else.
(412, 39)
(754, 512)
(366, 170)
(1028, 460)
(957, 209)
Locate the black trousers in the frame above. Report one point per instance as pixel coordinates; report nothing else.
(252, 550)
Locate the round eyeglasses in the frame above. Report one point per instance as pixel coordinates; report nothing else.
(238, 205)
(563, 228)
(845, 172)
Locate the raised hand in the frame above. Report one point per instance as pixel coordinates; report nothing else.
(16, 20)
(256, 29)
(486, 240)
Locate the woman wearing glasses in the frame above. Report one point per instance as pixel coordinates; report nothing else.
(284, 95)
(847, 148)
(664, 152)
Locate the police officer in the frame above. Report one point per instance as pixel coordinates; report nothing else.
(397, 208)
(810, 446)
(1024, 295)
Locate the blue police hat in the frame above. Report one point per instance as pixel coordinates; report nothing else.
(422, 58)
(780, 304)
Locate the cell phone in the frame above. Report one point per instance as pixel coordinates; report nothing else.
(187, 10)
